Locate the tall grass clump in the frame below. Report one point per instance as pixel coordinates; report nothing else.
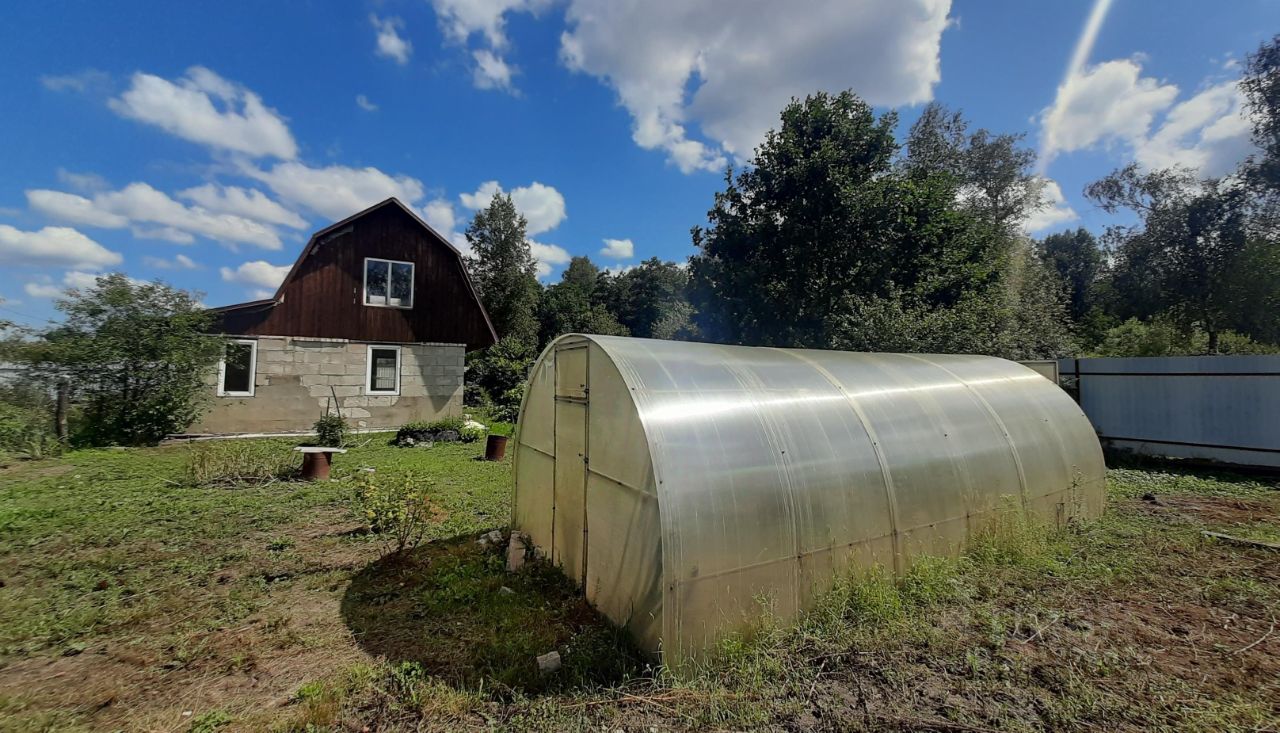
(237, 462)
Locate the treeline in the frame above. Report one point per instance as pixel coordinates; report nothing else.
(839, 235)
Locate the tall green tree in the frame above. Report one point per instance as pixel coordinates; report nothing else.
(651, 300)
(1077, 258)
(574, 305)
(1185, 258)
(822, 219)
(504, 272)
(137, 355)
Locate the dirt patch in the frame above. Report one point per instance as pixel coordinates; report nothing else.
(1214, 510)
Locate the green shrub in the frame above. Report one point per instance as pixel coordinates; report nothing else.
(399, 509)
(27, 430)
(230, 462)
(331, 431)
(443, 429)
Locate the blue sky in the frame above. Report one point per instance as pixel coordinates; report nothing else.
(202, 142)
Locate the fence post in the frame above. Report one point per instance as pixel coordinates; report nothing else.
(60, 411)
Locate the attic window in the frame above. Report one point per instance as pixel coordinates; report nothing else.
(388, 283)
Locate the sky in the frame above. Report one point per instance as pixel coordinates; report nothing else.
(201, 143)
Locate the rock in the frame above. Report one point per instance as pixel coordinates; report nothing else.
(515, 552)
(483, 541)
(408, 442)
(473, 425)
(495, 537)
(505, 591)
(549, 662)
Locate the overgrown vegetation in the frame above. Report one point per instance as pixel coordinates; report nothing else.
(239, 462)
(445, 429)
(398, 509)
(331, 430)
(136, 355)
(132, 596)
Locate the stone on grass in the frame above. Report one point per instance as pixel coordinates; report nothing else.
(549, 662)
(495, 536)
(505, 591)
(515, 552)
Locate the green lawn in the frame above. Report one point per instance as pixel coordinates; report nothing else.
(132, 600)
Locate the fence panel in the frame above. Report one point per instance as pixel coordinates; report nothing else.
(1223, 408)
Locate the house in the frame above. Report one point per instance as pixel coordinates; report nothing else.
(375, 318)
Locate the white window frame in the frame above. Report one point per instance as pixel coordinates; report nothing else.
(389, 304)
(253, 369)
(368, 371)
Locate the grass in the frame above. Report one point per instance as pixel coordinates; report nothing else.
(137, 598)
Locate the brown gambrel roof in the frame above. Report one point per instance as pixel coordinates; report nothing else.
(336, 229)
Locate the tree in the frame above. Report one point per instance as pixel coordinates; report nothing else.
(505, 275)
(1077, 258)
(651, 300)
(821, 219)
(137, 354)
(1184, 258)
(573, 304)
(1261, 86)
(829, 239)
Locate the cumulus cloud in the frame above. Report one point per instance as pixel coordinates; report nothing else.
(74, 209)
(618, 249)
(541, 205)
(389, 43)
(72, 280)
(44, 290)
(728, 66)
(83, 181)
(1054, 211)
(491, 72)
(335, 191)
(245, 202)
(56, 246)
(461, 20)
(141, 204)
(548, 256)
(260, 274)
(363, 103)
(205, 108)
(179, 262)
(1113, 104)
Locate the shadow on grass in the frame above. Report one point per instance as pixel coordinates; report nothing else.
(451, 607)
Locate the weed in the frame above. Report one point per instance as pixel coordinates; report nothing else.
(236, 462)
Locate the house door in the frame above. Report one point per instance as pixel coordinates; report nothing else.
(569, 518)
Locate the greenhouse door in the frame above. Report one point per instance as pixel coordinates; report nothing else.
(569, 520)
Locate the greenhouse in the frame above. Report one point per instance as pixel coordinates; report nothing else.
(685, 485)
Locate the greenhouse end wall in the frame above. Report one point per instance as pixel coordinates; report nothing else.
(681, 483)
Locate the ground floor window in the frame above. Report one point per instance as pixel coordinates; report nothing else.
(237, 370)
(383, 370)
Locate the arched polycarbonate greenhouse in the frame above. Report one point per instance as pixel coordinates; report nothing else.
(681, 483)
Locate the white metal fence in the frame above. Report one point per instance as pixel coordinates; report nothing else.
(1223, 408)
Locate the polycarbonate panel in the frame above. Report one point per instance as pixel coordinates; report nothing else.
(568, 518)
(624, 557)
(776, 470)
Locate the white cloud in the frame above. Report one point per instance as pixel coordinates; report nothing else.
(730, 65)
(541, 205)
(1105, 103)
(166, 234)
(363, 103)
(53, 246)
(491, 72)
(336, 191)
(44, 290)
(1055, 210)
(1112, 104)
(1208, 132)
(179, 262)
(616, 270)
(440, 215)
(462, 19)
(618, 249)
(548, 256)
(83, 181)
(82, 280)
(75, 209)
(390, 44)
(205, 108)
(83, 81)
(246, 202)
(258, 273)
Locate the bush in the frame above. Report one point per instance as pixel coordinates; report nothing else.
(331, 431)
(400, 509)
(444, 430)
(231, 462)
(26, 424)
